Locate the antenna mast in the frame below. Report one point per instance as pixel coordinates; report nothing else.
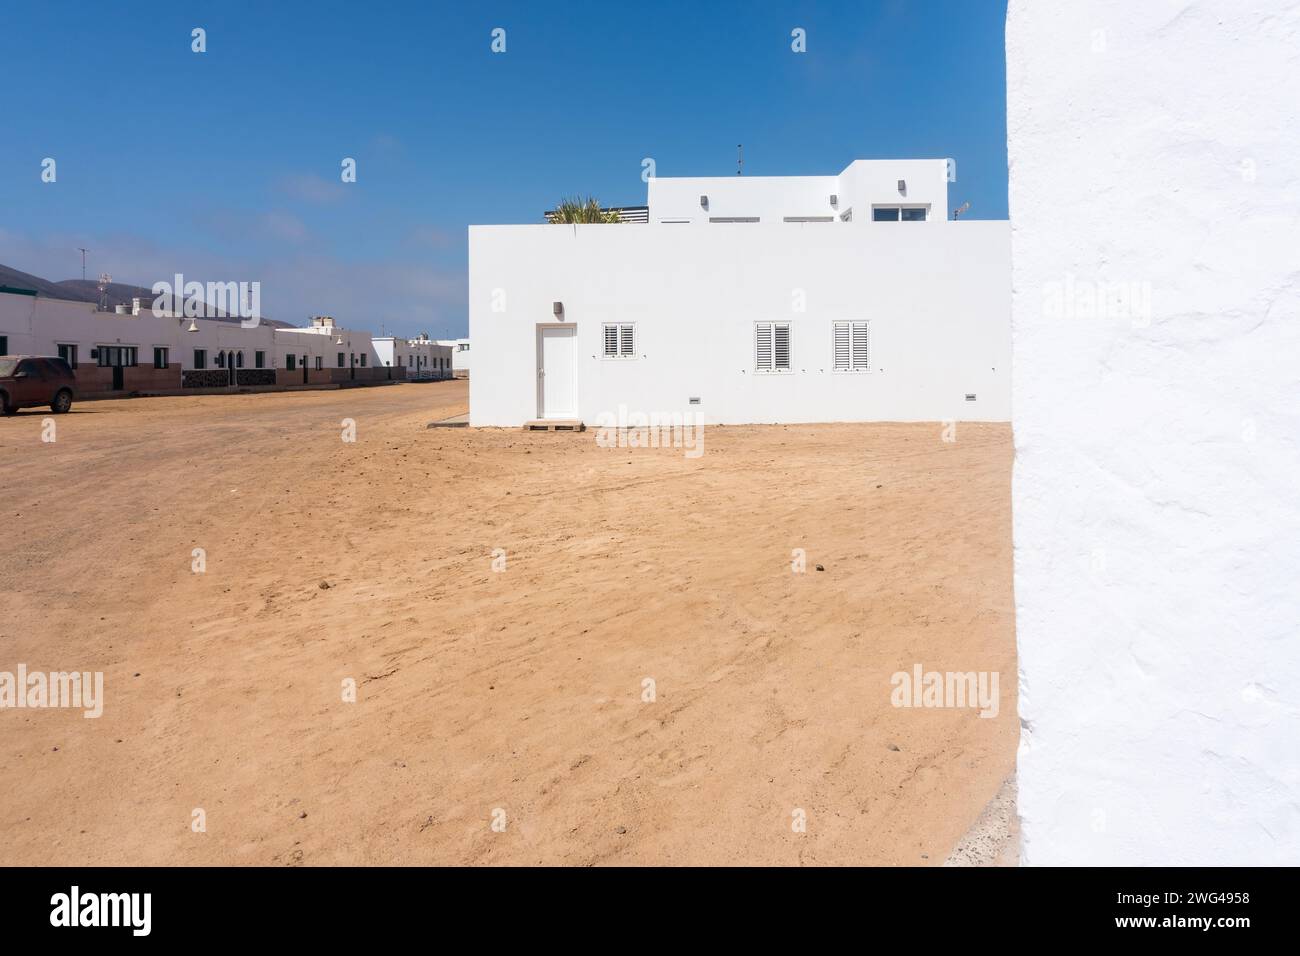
(740, 159)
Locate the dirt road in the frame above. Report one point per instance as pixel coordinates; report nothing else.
(517, 695)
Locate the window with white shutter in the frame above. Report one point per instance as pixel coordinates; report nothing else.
(843, 352)
(851, 347)
(619, 340)
(772, 346)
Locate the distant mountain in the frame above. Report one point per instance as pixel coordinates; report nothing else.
(119, 293)
(87, 290)
(55, 290)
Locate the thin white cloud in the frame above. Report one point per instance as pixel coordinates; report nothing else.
(309, 187)
(285, 225)
(431, 236)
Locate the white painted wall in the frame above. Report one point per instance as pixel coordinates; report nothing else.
(860, 185)
(36, 325)
(769, 197)
(460, 353)
(1157, 519)
(420, 358)
(311, 342)
(936, 294)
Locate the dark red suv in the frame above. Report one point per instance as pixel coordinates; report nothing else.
(28, 380)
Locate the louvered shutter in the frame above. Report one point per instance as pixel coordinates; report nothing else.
(763, 358)
(843, 356)
(861, 355)
(782, 346)
(626, 345)
(611, 341)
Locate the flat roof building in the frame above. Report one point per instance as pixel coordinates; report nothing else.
(849, 297)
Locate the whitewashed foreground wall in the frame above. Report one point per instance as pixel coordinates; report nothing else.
(1153, 150)
(936, 295)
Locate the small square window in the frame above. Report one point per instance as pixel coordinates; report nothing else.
(772, 346)
(851, 347)
(619, 340)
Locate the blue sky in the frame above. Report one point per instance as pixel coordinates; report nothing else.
(225, 165)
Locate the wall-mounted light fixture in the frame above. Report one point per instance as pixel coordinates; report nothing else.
(835, 200)
(902, 186)
(704, 202)
(557, 308)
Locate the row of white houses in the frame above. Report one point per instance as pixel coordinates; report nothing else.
(749, 300)
(138, 349)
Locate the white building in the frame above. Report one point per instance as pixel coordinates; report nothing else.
(139, 350)
(749, 299)
(1157, 413)
(421, 357)
(459, 356)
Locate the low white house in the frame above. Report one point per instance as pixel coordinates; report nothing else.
(749, 299)
(135, 349)
(459, 356)
(422, 357)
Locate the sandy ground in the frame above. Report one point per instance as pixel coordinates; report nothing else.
(480, 691)
(994, 839)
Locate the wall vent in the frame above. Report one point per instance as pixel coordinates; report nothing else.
(970, 396)
(695, 400)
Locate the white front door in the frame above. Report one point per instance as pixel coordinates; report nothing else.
(556, 394)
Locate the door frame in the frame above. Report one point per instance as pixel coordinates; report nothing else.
(539, 355)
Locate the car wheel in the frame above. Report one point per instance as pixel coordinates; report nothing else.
(62, 402)
(6, 408)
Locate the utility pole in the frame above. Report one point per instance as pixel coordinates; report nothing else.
(83, 264)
